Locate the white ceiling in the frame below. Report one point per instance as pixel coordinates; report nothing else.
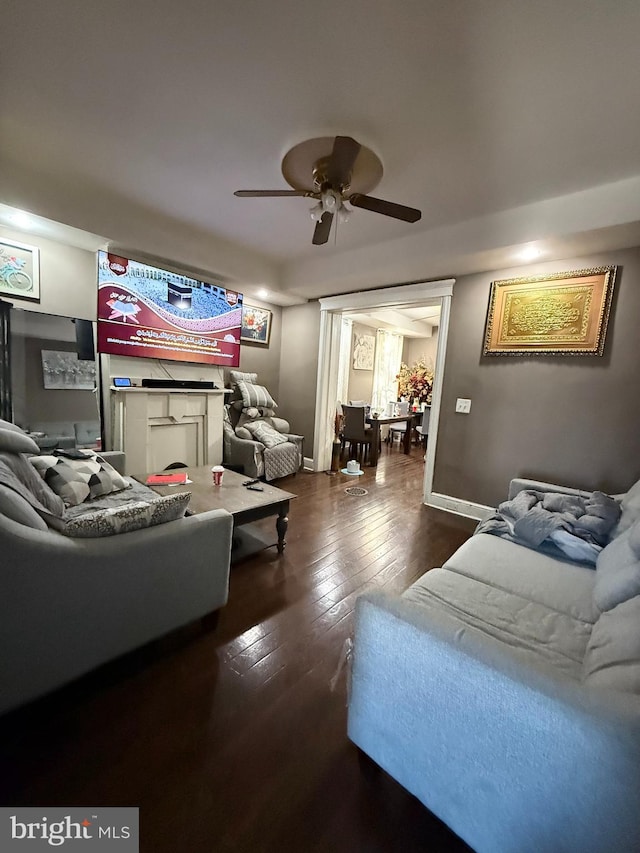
(476, 108)
(409, 322)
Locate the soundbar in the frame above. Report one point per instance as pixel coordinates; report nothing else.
(198, 384)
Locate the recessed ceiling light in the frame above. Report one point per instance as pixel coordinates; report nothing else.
(262, 293)
(529, 253)
(20, 218)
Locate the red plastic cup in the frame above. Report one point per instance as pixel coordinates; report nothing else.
(217, 472)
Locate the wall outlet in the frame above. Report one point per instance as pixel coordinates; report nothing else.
(463, 406)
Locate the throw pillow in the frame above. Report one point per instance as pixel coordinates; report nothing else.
(77, 480)
(32, 488)
(133, 516)
(169, 508)
(14, 441)
(618, 570)
(612, 658)
(15, 507)
(269, 436)
(256, 395)
(8, 425)
(239, 376)
(236, 376)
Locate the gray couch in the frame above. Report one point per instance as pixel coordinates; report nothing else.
(503, 691)
(69, 605)
(62, 435)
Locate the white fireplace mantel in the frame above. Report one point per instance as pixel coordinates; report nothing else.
(158, 426)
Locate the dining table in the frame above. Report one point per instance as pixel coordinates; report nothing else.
(384, 420)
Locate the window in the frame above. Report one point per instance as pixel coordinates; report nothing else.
(386, 366)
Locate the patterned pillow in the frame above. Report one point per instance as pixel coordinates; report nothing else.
(78, 480)
(236, 376)
(239, 376)
(256, 395)
(269, 436)
(132, 516)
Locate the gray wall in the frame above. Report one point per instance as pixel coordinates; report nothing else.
(570, 420)
(31, 332)
(415, 349)
(32, 402)
(265, 361)
(299, 369)
(360, 381)
(68, 277)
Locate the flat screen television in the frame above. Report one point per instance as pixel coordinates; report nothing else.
(153, 313)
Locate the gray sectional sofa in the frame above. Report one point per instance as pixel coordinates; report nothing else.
(70, 604)
(65, 434)
(503, 691)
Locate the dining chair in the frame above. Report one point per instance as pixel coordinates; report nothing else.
(356, 432)
(423, 429)
(399, 429)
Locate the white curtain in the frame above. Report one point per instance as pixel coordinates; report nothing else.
(344, 359)
(386, 367)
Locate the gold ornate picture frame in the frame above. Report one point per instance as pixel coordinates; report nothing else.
(559, 314)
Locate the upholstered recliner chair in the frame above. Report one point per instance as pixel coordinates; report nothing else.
(254, 438)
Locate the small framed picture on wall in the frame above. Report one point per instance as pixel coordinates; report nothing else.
(19, 270)
(363, 351)
(256, 325)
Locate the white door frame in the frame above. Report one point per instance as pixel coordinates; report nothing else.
(331, 309)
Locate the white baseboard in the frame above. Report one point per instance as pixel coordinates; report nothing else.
(308, 464)
(459, 506)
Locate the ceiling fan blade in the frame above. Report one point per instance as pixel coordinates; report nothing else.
(343, 157)
(323, 227)
(386, 208)
(268, 193)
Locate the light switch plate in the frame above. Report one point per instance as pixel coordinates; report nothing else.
(463, 405)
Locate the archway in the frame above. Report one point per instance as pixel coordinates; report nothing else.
(331, 310)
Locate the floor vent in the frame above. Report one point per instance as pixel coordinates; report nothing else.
(356, 491)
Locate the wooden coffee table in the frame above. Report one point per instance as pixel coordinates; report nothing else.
(244, 504)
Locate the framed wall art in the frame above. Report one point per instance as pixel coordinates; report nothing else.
(19, 270)
(559, 314)
(256, 325)
(363, 351)
(64, 371)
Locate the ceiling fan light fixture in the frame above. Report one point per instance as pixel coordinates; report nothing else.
(330, 201)
(334, 171)
(344, 214)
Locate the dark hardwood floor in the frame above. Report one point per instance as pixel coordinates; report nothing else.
(231, 739)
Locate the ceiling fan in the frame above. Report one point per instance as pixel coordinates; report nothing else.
(334, 171)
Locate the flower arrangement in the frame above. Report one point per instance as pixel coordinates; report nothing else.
(415, 382)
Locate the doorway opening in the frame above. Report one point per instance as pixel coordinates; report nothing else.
(332, 311)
